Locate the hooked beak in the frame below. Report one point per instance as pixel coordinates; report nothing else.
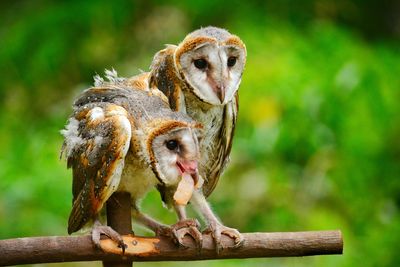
(190, 167)
(218, 87)
(220, 91)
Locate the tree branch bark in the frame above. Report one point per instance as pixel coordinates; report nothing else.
(79, 248)
(119, 218)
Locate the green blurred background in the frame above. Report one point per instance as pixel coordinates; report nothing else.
(318, 139)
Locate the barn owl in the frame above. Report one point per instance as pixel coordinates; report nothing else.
(201, 77)
(123, 139)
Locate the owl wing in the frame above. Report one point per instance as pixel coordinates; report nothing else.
(140, 81)
(96, 142)
(163, 77)
(223, 148)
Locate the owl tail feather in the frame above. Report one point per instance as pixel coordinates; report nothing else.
(80, 214)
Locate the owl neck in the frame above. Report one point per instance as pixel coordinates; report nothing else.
(210, 116)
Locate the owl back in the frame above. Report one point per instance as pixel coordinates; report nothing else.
(143, 106)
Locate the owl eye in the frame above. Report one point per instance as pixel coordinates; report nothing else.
(231, 61)
(200, 63)
(171, 144)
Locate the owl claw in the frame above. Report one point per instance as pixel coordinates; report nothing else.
(192, 231)
(217, 230)
(99, 230)
(182, 228)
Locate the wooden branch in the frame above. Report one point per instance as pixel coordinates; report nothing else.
(119, 212)
(119, 219)
(79, 248)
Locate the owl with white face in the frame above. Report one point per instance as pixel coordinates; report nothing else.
(123, 139)
(211, 62)
(201, 77)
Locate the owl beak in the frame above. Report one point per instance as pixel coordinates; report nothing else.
(218, 87)
(190, 167)
(220, 91)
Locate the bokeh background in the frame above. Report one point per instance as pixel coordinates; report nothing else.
(318, 139)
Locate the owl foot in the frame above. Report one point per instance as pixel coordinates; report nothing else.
(182, 228)
(216, 229)
(99, 230)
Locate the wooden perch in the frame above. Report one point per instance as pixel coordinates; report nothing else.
(79, 248)
(119, 218)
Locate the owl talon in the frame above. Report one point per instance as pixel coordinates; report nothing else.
(99, 230)
(179, 235)
(182, 228)
(217, 230)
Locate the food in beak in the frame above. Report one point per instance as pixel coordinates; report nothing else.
(184, 190)
(190, 181)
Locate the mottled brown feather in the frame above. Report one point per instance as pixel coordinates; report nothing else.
(225, 147)
(139, 81)
(164, 78)
(93, 163)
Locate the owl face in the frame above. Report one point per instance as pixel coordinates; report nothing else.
(212, 66)
(176, 152)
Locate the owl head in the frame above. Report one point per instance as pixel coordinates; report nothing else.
(174, 150)
(211, 61)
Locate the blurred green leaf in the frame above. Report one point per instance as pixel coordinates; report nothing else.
(317, 143)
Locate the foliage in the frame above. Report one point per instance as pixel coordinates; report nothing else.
(317, 142)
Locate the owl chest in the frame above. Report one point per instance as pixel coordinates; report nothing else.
(210, 116)
(136, 179)
(212, 120)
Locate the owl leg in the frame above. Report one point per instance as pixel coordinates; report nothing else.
(215, 227)
(146, 220)
(186, 226)
(99, 229)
